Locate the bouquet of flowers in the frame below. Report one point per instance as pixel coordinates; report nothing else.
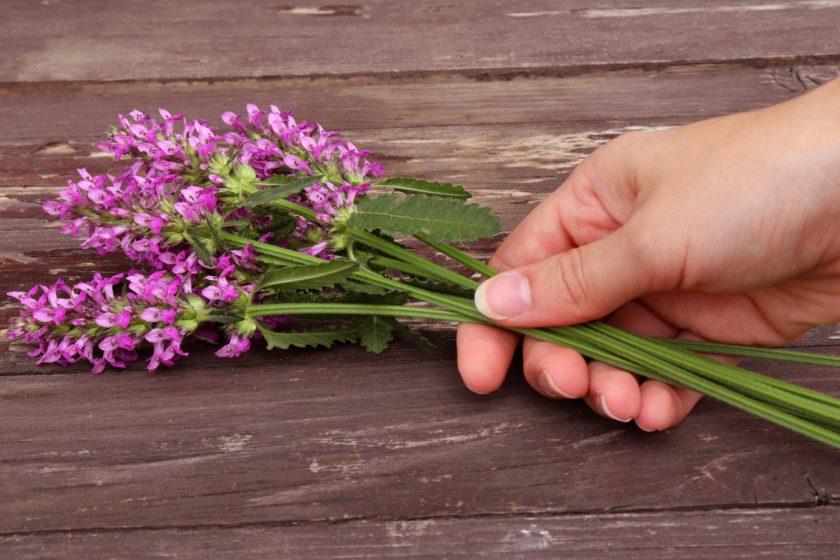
(281, 231)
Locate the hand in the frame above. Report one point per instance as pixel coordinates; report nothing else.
(727, 229)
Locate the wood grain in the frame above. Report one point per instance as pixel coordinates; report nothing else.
(332, 454)
(94, 40)
(333, 435)
(758, 533)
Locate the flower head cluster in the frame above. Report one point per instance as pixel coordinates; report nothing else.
(185, 184)
(105, 319)
(188, 177)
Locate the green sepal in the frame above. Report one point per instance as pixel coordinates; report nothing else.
(308, 277)
(375, 333)
(418, 186)
(198, 245)
(267, 196)
(441, 219)
(308, 339)
(243, 179)
(214, 227)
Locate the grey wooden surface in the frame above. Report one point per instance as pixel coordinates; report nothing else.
(335, 454)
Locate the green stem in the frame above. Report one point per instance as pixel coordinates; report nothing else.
(653, 367)
(294, 208)
(396, 264)
(822, 408)
(458, 256)
(620, 353)
(779, 354)
(431, 269)
(271, 309)
(699, 346)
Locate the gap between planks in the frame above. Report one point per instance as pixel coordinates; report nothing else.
(422, 76)
(765, 508)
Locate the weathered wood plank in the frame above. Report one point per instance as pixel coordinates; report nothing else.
(297, 436)
(511, 142)
(761, 533)
(79, 112)
(94, 40)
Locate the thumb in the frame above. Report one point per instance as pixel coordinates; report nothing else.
(575, 286)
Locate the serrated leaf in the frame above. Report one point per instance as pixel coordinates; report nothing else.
(375, 333)
(267, 196)
(308, 277)
(308, 339)
(367, 289)
(441, 219)
(413, 335)
(419, 186)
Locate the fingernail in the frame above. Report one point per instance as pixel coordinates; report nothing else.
(504, 296)
(602, 403)
(549, 388)
(645, 429)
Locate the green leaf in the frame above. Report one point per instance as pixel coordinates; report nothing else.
(419, 186)
(275, 180)
(375, 333)
(413, 335)
(308, 339)
(441, 219)
(268, 196)
(281, 225)
(366, 289)
(382, 297)
(308, 277)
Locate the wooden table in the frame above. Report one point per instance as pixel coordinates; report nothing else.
(334, 454)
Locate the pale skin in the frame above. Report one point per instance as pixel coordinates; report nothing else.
(726, 229)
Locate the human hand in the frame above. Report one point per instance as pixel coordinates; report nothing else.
(725, 229)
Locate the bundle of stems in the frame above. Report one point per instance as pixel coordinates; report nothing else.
(676, 362)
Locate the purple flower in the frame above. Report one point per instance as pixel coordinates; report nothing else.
(236, 346)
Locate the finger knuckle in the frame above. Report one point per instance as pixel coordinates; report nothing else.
(571, 289)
